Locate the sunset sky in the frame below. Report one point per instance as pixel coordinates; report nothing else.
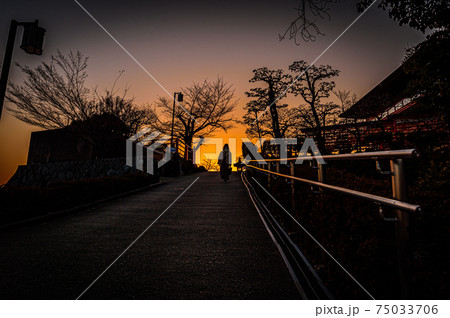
(180, 42)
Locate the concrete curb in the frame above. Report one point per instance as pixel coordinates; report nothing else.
(73, 210)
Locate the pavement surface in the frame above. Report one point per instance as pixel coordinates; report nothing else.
(210, 244)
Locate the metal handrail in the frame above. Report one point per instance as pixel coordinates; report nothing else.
(305, 276)
(390, 154)
(399, 193)
(405, 206)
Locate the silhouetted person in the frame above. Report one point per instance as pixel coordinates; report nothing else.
(225, 163)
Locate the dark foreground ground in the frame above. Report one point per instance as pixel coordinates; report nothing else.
(211, 244)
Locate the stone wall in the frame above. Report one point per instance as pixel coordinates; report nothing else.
(43, 174)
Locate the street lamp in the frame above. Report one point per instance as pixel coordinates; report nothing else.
(32, 40)
(179, 99)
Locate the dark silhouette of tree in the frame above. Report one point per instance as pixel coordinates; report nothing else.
(208, 107)
(326, 114)
(419, 15)
(123, 108)
(428, 66)
(54, 95)
(304, 27)
(313, 86)
(277, 84)
(262, 126)
(346, 100)
(288, 121)
(252, 121)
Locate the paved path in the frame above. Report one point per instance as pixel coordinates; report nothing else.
(211, 244)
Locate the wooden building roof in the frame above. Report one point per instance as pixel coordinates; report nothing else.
(382, 97)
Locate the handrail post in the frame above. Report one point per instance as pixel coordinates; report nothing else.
(400, 192)
(292, 167)
(277, 169)
(321, 174)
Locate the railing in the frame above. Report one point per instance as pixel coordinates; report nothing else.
(305, 277)
(397, 172)
(399, 190)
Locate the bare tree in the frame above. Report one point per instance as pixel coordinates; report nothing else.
(54, 95)
(210, 165)
(133, 117)
(277, 83)
(207, 108)
(326, 113)
(261, 127)
(419, 15)
(255, 125)
(304, 27)
(313, 86)
(346, 100)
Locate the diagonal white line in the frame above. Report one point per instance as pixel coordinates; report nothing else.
(313, 62)
(314, 239)
(132, 243)
(133, 58)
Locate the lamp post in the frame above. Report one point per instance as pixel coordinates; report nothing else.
(32, 40)
(179, 99)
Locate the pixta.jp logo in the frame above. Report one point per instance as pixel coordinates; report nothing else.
(148, 141)
(254, 149)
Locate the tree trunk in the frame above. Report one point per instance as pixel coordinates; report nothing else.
(320, 139)
(274, 114)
